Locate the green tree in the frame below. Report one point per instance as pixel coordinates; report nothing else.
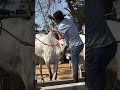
(75, 7)
(77, 10)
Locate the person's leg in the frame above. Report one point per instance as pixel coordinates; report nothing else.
(95, 71)
(89, 57)
(75, 51)
(96, 62)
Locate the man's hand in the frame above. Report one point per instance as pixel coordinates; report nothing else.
(50, 17)
(55, 28)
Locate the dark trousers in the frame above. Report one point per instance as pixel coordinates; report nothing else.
(96, 61)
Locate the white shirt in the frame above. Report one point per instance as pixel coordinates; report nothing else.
(70, 33)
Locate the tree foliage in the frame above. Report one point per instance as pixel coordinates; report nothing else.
(110, 10)
(77, 10)
(29, 3)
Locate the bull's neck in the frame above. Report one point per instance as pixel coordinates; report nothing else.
(59, 50)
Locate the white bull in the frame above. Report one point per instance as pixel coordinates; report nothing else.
(115, 63)
(49, 49)
(14, 56)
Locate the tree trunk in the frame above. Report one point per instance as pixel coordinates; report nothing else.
(76, 15)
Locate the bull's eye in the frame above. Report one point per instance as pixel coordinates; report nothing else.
(61, 44)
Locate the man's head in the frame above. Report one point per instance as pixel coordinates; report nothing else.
(58, 15)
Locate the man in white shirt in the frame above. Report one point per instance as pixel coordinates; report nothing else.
(69, 31)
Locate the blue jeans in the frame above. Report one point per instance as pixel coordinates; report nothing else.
(75, 51)
(96, 61)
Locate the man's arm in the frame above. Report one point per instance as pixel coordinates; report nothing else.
(55, 28)
(58, 33)
(52, 18)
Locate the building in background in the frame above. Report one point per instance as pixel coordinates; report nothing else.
(15, 8)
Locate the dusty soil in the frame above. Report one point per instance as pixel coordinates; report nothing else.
(64, 72)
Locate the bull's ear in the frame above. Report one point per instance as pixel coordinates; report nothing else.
(56, 36)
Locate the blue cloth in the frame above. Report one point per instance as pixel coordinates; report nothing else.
(75, 51)
(70, 33)
(97, 32)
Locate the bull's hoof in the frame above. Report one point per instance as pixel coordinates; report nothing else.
(51, 77)
(42, 79)
(54, 79)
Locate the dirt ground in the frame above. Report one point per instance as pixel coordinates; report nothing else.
(64, 72)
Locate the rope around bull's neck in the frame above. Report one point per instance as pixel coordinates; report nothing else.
(21, 41)
(46, 43)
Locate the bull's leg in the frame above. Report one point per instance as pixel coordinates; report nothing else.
(49, 70)
(55, 70)
(28, 67)
(42, 78)
(80, 71)
(70, 64)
